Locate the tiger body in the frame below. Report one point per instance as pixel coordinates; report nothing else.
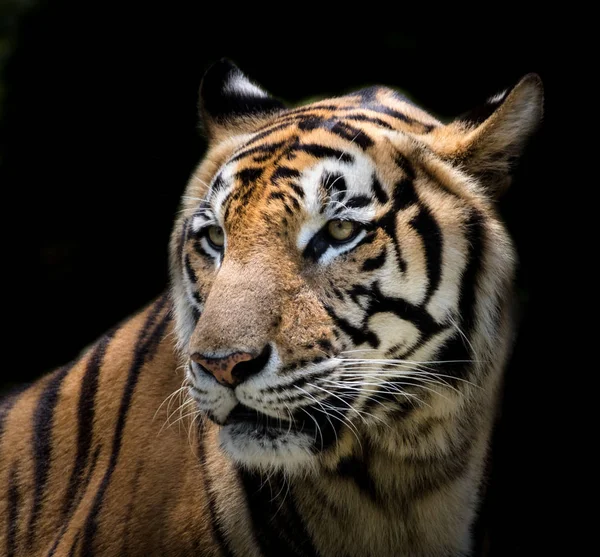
(373, 363)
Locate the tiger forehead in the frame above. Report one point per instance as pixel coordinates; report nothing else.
(345, 136)
(293, 175)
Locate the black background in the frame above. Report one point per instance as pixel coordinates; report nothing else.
(99, 135)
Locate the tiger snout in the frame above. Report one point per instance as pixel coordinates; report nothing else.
(232, 369)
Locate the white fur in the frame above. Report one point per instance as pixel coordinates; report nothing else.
(497, 98)
(240, 86)
(290, 452)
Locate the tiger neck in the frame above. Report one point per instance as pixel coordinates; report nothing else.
(373, 505)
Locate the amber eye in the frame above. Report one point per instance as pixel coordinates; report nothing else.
(216, 236)
(342, 230)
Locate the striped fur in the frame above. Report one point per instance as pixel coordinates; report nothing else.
(377, 361)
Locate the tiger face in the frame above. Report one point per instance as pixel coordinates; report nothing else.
(338, 269)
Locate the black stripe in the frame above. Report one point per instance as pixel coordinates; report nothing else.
(277, 195)
(297, 528)
(400, 116)
(302, 110)
(454, 357)
(379, 192)
(426, 226)
(325, 345)
(271, 128)
(457, 348)
(334, 184)
(42, 444)
(266, 149)
(309, 118)
(226, 203)
(79, 496)
(357, 334)
(322, 152)
(468, 288)
(358, 201)
(278, 529)
(375, 262)
(376, 108)
(387, 222)
(191, 274)
(405, 165)
(284, 172)
(352, 134)
(13, 502)
(217, 185)
(249, 176)
(417, 315)
(312, 122)
(144, 351)
(357, 471)
(338, 293)
(86, 411)
(404, 195)
(370, 119)
(299, 191)
(198, 299)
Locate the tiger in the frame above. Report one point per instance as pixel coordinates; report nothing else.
(322, 375)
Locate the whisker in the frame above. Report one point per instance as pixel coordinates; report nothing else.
(313, 418)
(344, 401)
(170, 397)
(360, 372)
(344, 420)
(424, 376)
(396, 389)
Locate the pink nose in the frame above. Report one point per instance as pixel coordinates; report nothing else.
(222, 368)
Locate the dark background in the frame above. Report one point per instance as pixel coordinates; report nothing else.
(99, 135)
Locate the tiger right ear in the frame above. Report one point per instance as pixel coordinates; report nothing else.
(487, 141)
(230, 104)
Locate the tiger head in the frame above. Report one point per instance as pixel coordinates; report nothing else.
(339, 271)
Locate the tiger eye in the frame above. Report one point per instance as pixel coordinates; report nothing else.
(216, 236)
(341, 230)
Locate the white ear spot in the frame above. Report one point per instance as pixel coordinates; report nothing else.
(498, 98)
(238, 85)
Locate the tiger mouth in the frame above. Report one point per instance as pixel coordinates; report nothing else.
(243, 418)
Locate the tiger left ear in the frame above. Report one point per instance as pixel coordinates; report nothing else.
(231, 104)
(487, 141)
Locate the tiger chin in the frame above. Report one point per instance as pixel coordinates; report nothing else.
(333, 343)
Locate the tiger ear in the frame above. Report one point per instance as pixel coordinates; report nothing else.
(231, 104)
(487, 141)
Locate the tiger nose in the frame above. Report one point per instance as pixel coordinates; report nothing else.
(222, 369)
